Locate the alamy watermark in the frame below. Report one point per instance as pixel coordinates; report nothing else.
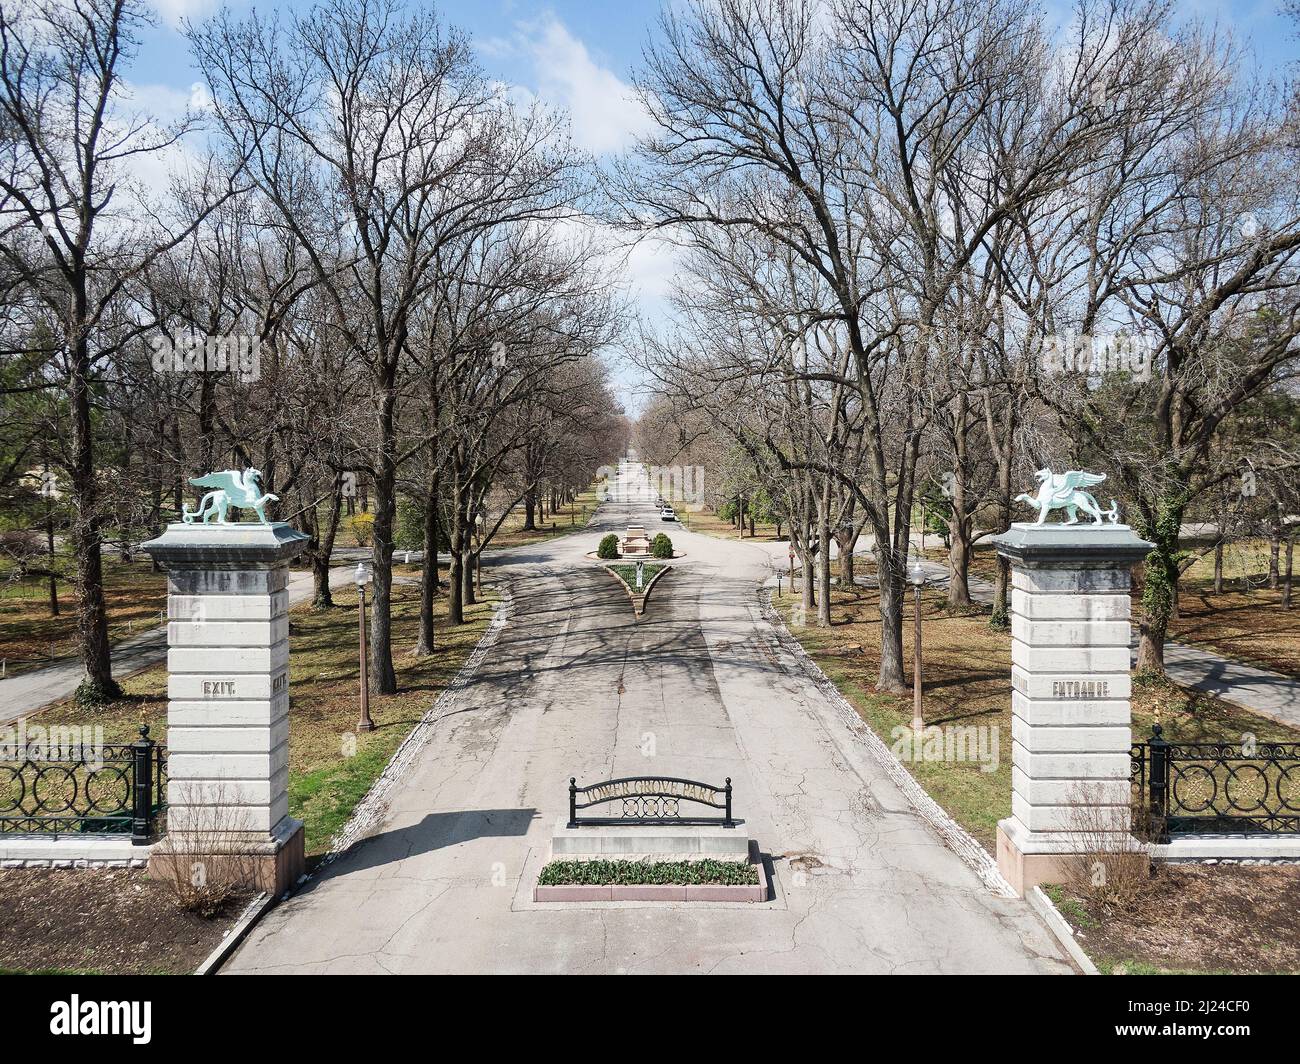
(58, 742)
(196, 352)
(679, 485)
(1099, 354)
(953, 743)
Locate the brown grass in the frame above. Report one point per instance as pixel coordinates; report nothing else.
(134, 595)
(967, 673)
(1195, 918)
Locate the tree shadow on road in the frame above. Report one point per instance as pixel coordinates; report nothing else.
(435, 831)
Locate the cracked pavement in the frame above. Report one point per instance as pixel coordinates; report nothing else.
(698, 688)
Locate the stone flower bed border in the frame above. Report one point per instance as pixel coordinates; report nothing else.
(639, 601)
(749, 892)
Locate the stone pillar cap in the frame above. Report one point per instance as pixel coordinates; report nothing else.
(188, 546)
(1058, 544)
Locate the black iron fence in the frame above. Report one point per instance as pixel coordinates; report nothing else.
(649, 800)
(66, 788)
(1216, 788)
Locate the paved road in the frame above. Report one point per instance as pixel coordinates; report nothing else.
(698, 688)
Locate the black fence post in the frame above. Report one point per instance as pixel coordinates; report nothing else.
(1159, 783)
(142, 787)
(728, 822)
(573, 801)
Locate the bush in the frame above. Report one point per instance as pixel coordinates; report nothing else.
(608, 547)
(361, 527)
(661, 546)
(689, 873)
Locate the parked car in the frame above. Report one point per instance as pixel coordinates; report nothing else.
(666, 514)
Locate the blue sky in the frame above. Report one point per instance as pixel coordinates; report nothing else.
(610, 34)
(580, 54)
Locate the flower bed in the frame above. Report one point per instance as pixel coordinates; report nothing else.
(642, 873)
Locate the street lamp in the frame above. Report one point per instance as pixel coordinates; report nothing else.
(478, 558)
(916, 577)
(362, 577)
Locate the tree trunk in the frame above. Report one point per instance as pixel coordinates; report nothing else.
(1274, 552)
(1218, 567)
(429, 570)
(87, 541)
(845, 541)
(959, 561)
(382, 674)
(530, 519)
(455, 604)
(322, 596)
(824, 561)
(49, 548)
(467, 574)
(893, 599)
(1286, 583)
(1160, 588)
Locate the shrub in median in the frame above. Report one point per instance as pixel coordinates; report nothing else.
(661, 546)
(639, 873)
(608, 547)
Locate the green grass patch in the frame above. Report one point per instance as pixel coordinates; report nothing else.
(324, 798)
(627, 573)
(647, 873)
(331, 767)
(967, 679)
(1068, 907)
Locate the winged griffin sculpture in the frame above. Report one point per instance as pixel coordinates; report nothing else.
(230, 488)
(1064, 491)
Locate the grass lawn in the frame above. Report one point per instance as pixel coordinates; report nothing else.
(571, 517)
(967, 672)
(1245, 622)
(326, 779)
(708, 523)
(134, 595)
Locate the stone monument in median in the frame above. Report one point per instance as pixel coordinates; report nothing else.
(1070, 679)
(228, 690)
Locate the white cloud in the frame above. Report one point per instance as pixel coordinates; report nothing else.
(173, 11)
(606, 116)
(166, 106)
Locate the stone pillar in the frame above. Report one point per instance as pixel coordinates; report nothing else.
(228, 709)
(1071, 684)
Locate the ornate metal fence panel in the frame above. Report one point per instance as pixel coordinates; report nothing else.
(1217, 788)
(108, 789)
(649, 800)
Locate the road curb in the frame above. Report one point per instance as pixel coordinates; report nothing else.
(1057, 924)
(257, 908)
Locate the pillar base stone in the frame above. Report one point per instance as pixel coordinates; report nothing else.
(272, 864)
(1027, 859)
(1025, 865)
